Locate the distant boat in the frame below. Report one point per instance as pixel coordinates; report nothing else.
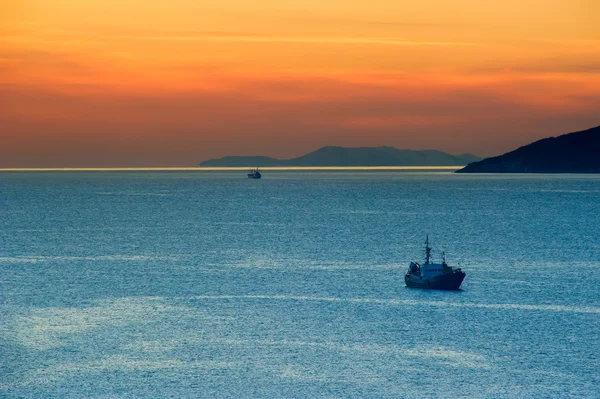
(254, 174)
(437, 276)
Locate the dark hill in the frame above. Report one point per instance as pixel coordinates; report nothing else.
(341, 156)
(577, 152)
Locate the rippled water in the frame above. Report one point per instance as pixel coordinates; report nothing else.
(206, 284)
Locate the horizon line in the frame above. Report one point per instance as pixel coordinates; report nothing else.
(227, 168)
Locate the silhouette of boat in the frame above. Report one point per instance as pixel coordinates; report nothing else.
(254, 174)
(437, 276)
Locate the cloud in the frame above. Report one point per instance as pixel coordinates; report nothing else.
(58, 36)
(359, 40)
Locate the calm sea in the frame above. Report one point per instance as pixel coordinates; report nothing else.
(207, 284)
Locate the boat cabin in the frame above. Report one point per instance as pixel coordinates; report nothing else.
(428, 269)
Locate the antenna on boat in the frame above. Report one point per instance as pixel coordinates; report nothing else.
(427, 251)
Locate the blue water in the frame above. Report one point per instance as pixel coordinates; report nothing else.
(207, 284)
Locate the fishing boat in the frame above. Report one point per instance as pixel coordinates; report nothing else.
(254, 174)
(437, 276)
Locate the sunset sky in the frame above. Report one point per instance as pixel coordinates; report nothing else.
(172, 83)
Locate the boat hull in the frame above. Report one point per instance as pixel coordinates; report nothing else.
(450, 281)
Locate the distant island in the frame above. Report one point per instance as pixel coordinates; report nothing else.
(342, 156)
(577, 152)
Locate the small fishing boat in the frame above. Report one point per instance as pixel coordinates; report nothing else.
(254, 174)
(437, 276)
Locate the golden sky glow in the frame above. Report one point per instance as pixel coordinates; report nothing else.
(159, 83)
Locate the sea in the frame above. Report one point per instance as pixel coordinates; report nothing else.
(206, 284)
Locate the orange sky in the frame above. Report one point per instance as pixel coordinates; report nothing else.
(166, 83)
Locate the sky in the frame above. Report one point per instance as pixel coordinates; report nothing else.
(174, 82)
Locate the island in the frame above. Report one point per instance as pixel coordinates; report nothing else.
(343, 156)
(577, 152)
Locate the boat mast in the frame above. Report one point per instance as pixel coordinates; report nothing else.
(427, 251)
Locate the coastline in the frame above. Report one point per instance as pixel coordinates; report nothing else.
(236, 168)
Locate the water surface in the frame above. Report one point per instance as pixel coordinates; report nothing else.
(207, 284)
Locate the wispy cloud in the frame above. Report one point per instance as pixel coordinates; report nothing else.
(251, 38)
(233, 37)
(304, 39)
